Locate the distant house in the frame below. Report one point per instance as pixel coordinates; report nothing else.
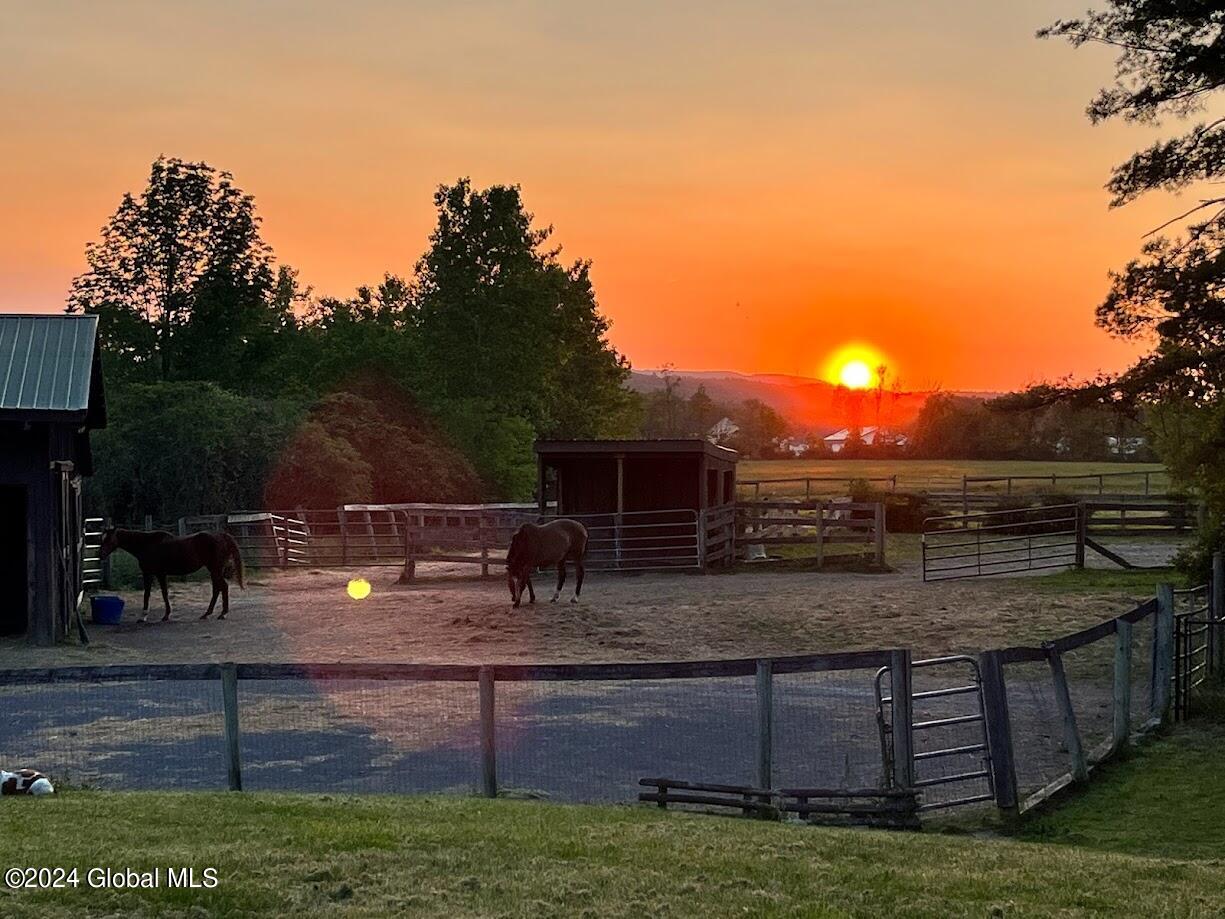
(722, 431)
(870, 436)
(1125, 446)
(796, 446)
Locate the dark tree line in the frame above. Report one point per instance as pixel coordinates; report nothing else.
(233, 385)
(1170, 66)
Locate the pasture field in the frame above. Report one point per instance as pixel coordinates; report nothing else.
(335, 855)
(943, 475)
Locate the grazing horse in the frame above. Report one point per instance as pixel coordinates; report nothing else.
(159, 553)
(537, 545)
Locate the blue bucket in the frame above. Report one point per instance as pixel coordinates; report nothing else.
(106, 610)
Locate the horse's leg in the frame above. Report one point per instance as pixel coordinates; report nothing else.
(161, 580)
(225, 597)
(531, 594)
(212, 603)
(561, 580)
(578, 578)
(144, 616)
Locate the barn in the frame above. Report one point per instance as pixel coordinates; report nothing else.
(648, 503)
(51, 397)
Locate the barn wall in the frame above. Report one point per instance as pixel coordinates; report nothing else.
(662, 483)
(25, 460)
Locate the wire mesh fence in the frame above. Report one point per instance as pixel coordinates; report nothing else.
(580, 733)
(133, 734)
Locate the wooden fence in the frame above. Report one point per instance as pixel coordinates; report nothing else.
(405, 535)
(1175, 670)
(820, 524)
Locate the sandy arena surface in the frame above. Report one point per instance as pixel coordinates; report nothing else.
(449, 616)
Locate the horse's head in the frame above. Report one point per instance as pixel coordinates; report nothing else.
(110, 542)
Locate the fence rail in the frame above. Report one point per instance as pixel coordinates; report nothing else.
(820, 524)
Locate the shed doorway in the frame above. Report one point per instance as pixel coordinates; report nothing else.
(14, 589)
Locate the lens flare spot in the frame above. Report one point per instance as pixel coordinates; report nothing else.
(358, 589)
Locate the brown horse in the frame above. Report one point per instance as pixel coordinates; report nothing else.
(537, 545)
(160, 553)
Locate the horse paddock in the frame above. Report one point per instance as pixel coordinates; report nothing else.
(449, 616)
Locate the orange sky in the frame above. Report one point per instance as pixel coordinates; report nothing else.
(757, 184)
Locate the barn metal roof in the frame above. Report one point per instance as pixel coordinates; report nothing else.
(48, 363)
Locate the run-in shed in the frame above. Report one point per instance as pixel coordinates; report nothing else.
(630, 485)
(50, 398)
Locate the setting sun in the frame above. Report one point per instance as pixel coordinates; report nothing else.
(856, 366)
(855, 375)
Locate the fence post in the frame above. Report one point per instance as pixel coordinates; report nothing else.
(229, 707)
(1163, 652)
(999, 730)
(148, 522)
(489, 765)
(480, 523)
(879, 515)
(344, 536)
(1082, 526)
(965, 496)
(1217, 614)
(410, 554)
(765, 724)
(182, 526)
(901, 694)
(820, 534)
(1063, 700)
(1122, 684)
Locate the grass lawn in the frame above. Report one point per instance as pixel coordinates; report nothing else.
(1166, 800)
(281, 855)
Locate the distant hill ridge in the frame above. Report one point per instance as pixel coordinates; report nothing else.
(807, 403)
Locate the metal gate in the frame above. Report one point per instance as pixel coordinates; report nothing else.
(1002, 542)
(952, 757)
(1193, 641)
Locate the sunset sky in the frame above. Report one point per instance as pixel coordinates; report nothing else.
(758, 184)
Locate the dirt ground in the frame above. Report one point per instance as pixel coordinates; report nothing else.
(448, 616)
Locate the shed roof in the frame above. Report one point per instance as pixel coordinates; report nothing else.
(49, 366)
(636, 447)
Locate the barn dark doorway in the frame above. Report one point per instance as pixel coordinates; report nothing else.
(14, 596)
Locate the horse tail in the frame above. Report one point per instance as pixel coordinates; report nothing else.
(231, 550)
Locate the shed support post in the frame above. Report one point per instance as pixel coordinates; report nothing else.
(1122, 684)
(999, 731)
(489, 768)
(765, 724)
(229, 708)
(901, 693)
(1063, 700)
(1163, 653)
(619, 520)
